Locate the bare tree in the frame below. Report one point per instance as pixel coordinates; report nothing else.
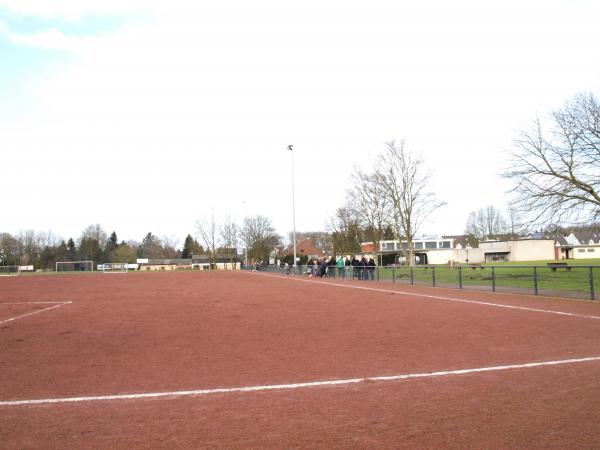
(229, 238)
(368, 202)
(346, 234)
(260, 237)
(169, 246)
(28, 247)
(515, 225)
(208, 231)
(404, 182)
(97, 233)
(486, 223)
(556, 170)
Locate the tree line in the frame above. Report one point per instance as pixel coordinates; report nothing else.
(44, 249)
(217, 240)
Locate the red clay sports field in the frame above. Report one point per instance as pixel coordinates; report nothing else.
(251, 360)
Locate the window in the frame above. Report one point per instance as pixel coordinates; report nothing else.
(445, 244)
(418, 245)
(590, 250)
(581, 250)
(430, 244)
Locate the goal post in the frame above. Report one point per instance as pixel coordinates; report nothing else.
(9, 271)
(74, 266)
(114, 267)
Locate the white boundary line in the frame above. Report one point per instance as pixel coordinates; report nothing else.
(310, 384)
(56, 305)
(437, 297)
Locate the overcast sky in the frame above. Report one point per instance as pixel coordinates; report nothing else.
(148, 115)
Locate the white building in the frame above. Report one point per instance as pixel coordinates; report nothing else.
(456, 250)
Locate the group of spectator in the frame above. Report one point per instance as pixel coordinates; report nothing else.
(361, 269)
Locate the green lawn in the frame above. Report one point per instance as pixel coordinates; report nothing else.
(506, 275)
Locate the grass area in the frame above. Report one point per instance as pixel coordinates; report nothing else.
(521, 275)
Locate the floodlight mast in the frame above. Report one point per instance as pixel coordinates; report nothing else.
(291, 149)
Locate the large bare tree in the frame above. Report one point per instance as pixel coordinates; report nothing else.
(260, 237)
(229, 239)
(486, 223)
(404, 180)
(208, 231)
(368, 202)
(555, 165)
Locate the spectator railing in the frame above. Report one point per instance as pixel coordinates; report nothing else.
(552, 279)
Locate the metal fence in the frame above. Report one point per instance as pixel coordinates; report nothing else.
(552, 279)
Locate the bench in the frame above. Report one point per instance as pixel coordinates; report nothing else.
(476, 266)
(558, 265)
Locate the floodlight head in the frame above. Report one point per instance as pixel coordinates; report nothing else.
(290, 147)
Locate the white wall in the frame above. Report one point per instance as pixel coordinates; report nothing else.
(462, 255)
(591, 251)
(531, 250)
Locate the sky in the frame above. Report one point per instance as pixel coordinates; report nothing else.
(148, 116)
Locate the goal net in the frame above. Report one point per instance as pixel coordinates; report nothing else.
(74, 266)
(7, 271)
(115, 267)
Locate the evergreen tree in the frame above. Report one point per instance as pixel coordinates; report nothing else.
(71, 250)
(61, 252)
(111, 245)
(151, 247)
(187, 247)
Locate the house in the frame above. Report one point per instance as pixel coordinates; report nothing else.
(305, 247)
(580, 245)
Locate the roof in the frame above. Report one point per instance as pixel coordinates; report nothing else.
(584, 237)
(303, 247)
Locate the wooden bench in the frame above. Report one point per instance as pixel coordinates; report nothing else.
(558, 265)
(476, 266)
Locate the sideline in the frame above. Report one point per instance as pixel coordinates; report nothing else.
(310, 384)
(434, 297)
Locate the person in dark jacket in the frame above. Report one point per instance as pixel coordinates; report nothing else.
(364, 269)
(346, 272)
(322, 268)
(371, 268)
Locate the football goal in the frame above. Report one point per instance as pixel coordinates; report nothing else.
(115, 267)
(9, 271)
(74, 266)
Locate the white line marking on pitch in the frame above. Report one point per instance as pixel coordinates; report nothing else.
(56, 305)
(310, 384)
(438, 297)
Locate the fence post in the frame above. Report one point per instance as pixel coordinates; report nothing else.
(535, 281)
(433, 275)
(412, 275)
(394, 273)
(493, 279)
(377, 269)
(592, 294)
(460, 277)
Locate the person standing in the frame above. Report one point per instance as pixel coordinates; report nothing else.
(364, 268)
(371, 268)
(340, 266)
(355, 273)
